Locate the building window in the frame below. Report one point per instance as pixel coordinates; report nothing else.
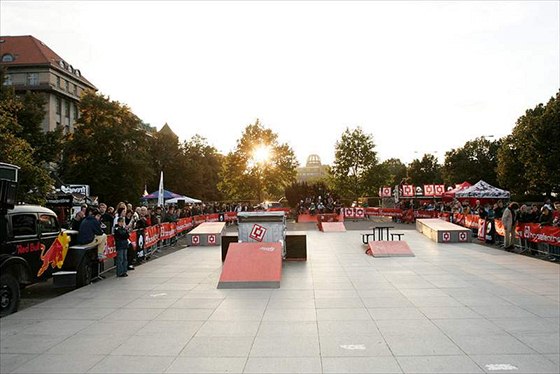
(58, 105)
(33, 79)
(75, 90)
(58, 82)
(75, 112)
(67, 86)
(66, 109)
(7, 80)
(7, 57)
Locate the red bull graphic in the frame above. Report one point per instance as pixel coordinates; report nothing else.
(56, 253)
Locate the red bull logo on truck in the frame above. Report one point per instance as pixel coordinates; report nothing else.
(56, 253)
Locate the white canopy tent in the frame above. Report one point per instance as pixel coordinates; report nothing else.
(186, 199)
(483, 190)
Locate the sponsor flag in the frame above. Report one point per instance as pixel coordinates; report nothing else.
(160, 200)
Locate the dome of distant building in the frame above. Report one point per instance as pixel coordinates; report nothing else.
(313, 160)
(313, 170)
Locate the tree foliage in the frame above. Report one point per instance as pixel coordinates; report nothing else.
(530, 158)
(354, 170)
(107, 150)
(243, 177)
(202, 166)
(24, 144)
(476, 160)
(425, 171)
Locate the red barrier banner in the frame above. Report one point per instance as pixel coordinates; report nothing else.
(389, 212)
(199, 219)
(110, 248)
(471, 221)
(166, 230)
(429, 190)
(133, 239)
(184, 224)
(482, 229)
(151, 236)
(425, 214)
(213, 217)
(439, 189)
(230, 216)
(359, 212)
(533, 232)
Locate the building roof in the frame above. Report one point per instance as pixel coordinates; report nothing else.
(30, 51)
(167, 131)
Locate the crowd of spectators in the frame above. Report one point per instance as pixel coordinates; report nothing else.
(318, 205)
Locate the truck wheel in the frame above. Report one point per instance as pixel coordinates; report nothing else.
(83, 275)
(9, 294)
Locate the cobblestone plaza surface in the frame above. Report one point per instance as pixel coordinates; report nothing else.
(453, 308)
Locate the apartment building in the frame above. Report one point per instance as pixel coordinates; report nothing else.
(32, 66)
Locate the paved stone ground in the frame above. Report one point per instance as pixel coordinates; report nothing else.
(454, 308)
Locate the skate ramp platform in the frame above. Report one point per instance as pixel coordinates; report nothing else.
(252, 265)
(389, 249)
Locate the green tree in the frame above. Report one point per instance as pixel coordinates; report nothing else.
(202, 168)
(534, 144)
(355, 164)
(425, 171)
(248, 174)
(166, 155)
(18, 119)
(107, 150)
(394, 171)
(476, 160)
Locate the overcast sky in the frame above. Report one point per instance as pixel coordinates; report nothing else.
(419, 76)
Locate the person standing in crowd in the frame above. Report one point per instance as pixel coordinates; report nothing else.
(106, 218)
(121, 243)
(523, 216)
(77, 220)
(91, 234)
(157, 216)
(545, 218)
(509, 219)
(556, 214)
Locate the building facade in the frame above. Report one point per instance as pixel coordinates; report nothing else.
(313, 170)
(32, 66)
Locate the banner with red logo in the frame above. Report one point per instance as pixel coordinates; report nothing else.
(533, 232)
(167, 230)
(151, 236)
(429, 190)
(213, 217)
(184, 224)
(439, 189)
(385, 191)
(407, 190)
(482, 229)
(230, 216)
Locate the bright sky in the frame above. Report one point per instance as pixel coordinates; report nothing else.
(419, 76)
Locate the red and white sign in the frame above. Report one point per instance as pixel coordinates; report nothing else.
(463, 237)
(348, 212)
(385, 192)
(446, 236)
(429, 190)
(359, 213)
(407, 190)
(439, 189)
(257, 232)
(195, 240)
(211, 239)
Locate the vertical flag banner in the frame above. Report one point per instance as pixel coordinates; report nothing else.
(160, 192)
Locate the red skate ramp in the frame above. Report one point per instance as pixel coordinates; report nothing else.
(252, 265)
(389, 249)
(333, 227)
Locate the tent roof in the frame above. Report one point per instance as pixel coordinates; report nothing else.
(188, 200)
(481, 189)
(453, 192)
(155, 195)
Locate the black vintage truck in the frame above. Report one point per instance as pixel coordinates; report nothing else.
(33, 247)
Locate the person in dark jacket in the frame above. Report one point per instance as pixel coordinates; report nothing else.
(121, 243)
(91, 234)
